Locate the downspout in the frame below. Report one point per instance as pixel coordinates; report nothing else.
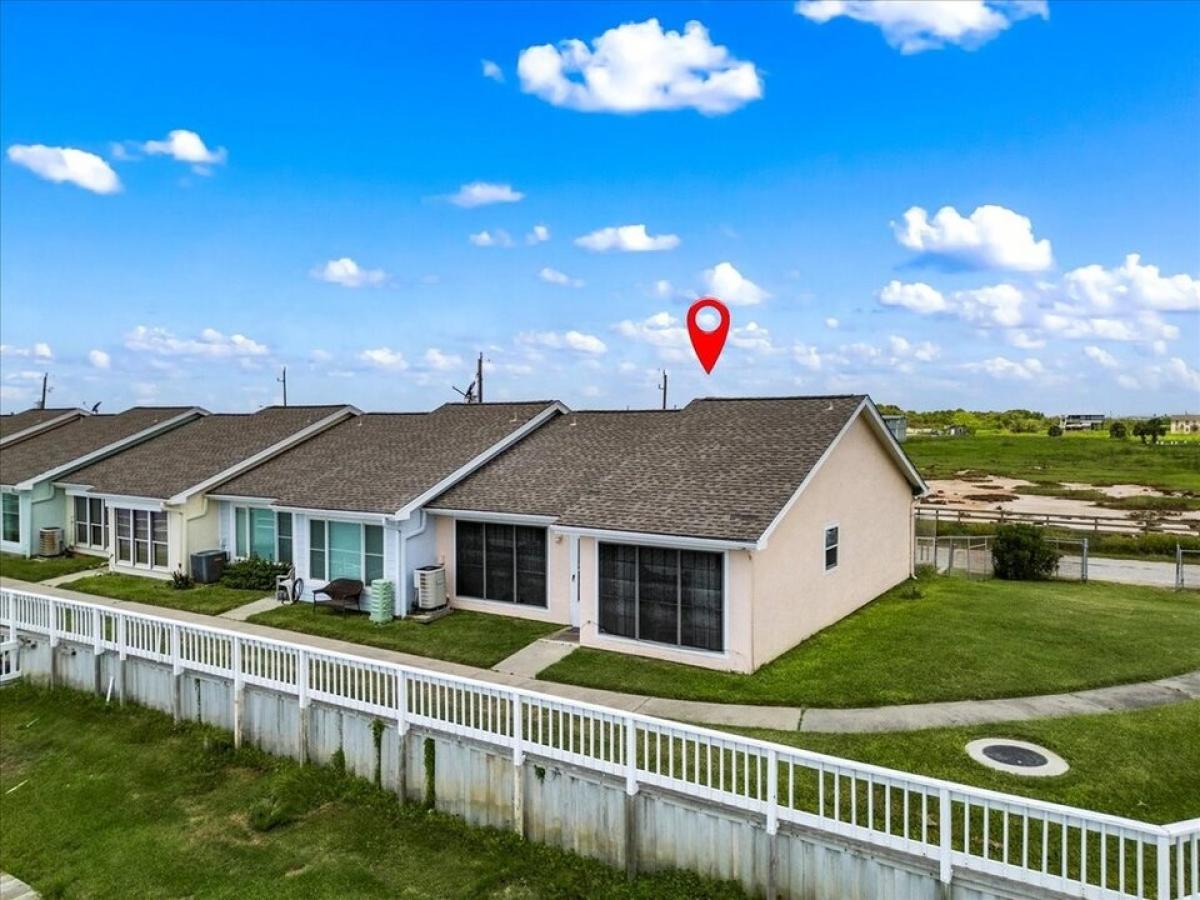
(912, 538)
(404, 538)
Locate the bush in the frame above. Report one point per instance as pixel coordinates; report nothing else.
(1118, 430)
(181, 580)
(253, 574)
(1022, 553)
(1054, 431)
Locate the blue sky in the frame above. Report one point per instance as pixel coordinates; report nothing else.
(791, 158)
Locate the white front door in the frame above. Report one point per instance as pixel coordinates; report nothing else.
(574, 564)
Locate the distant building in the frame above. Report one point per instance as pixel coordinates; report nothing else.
(1082, 421)
(1186, 423)
(898, 426)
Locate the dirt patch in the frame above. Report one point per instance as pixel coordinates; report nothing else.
(998, 497)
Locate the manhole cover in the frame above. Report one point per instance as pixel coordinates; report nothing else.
(1016, 757)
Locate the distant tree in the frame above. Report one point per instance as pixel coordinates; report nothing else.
(1118, 430)
(1150, 429)
(1022, 553)
(1054, 431)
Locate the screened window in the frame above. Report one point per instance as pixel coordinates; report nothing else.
(343, 550)
(10, 513)
(142, 538)
(263, 533)
(501, 562)
(831, 547)
(91, 523)
(663, 595)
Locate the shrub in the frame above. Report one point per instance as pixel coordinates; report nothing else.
(1054, 431)
(1022, 553)
(181, 580)
(1118, 430)
(253, 574)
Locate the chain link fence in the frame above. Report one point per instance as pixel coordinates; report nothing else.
(971, 555)
(1187, 569)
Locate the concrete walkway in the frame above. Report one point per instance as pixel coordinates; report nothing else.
(532, 658)
(783, 718)
(242, 613)
(75, 576)
(15, 889)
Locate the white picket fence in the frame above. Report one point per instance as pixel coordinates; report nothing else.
(1046, 845)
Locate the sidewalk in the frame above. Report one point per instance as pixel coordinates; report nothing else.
(912, 717)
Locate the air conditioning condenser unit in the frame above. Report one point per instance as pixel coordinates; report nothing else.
(430, 582)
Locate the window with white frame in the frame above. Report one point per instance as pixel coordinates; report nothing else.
(831, 547)
(91, 523)
(263, 533)
(10, 507)
(663, 595)
(500, 562)
(142, 538)
(344, 550)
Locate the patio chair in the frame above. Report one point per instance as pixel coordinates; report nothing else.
(288, 588)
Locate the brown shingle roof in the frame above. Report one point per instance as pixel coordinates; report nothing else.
(67, 443)
(185, 456)
(15, 422)
(381, 461)
(716, 469)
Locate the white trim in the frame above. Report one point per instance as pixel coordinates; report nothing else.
(574, 610)
(341, 515)
(890, 443)
(678, 541)
(470, 515)
(32, 430)
(263, 455)
(487, 455)
(126, 501)
(109, 449)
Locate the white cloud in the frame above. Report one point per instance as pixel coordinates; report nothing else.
(321, 356)
(539, 234)
(916, 25)
(484, 193)
(831, 323)
(40, 350)
(1181, 373)
(348, 273)
(752, 337)
(661, 330)
(186, 146)
(99, 359)
(1023, 340)
(999, 304)
(637, 67)
(59, 164)
(728, 284)
(385, 358)
(571, 340)
(918, 296)
(211, 343)
(442, 362)
(627, 238)
(808, 356)
(992, 237)
(1145, 326)
(553, 276)
(1128, 382)
(492, 70)
(1101, 356)
(1131, 285)
(925, 351)
(497, 238)
(1003, 368)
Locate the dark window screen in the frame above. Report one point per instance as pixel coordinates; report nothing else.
(469, 559)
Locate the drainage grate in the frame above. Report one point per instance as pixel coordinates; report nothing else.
(1016, 757)
(1012, 755)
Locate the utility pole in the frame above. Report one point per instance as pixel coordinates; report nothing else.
(45, 390)
(663, 387)
(479, 379)
(282, 379)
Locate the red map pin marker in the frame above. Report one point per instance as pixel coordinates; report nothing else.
(708, 344)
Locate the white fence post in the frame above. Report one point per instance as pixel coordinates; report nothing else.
(518, 758)
(177, 676)
(945, 835)
(631, 779)
(402, 735)
(1162, 859)
(239, 688)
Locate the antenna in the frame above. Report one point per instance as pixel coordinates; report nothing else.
(479, 379)
(45, 389)
(282, 379)
(663, 387)
(96, 406)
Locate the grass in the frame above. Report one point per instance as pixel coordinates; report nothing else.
(1088, 458)
(36, 569)
(1168, 503)
(1143, 764)
(472, 638)
(211, 599)
(961, 640)
(104, 802)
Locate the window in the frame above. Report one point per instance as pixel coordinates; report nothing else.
(263, 533)
(91, 523)
(142, 538)
(501, 562)
(10, 506)
(831, 547)
(663, 595)
(342, 550)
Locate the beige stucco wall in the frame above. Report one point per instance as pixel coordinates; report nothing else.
(865, 494)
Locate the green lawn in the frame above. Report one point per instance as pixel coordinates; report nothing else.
(35, 569)
(1143, 764)
(1088, 458)
(211, 599)
(960, 640)
(476, 639)
(105, 802)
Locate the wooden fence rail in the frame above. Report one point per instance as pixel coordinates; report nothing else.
(1046, 845)
(952, 515)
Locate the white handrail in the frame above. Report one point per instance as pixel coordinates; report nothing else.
(702, 762)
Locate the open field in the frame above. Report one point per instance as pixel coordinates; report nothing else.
(36, 569)
(211, 599)
(960, 640)
(98, 801)
(472, 638)
(1152, 546)
(1143, 764)
(1091, 458)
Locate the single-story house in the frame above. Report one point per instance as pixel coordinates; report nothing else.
(1185, 423)
(40, 447)
(719, 535)
(351, 500)
(146, 508)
